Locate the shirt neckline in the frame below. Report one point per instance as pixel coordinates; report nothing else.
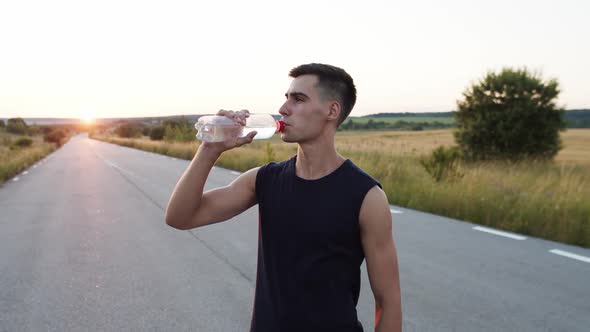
(324, 178)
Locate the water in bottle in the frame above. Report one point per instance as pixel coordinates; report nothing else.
(218, 128)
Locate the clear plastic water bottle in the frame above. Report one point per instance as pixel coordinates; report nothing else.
(219, 128)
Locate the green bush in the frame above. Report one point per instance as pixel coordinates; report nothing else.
(510, 115)
(157, 133)
(179, 131)
(55, 136)
(443, 163)
(2, 124)
(128, 130)
(23, 142)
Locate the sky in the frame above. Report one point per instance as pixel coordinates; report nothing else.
(154, 58)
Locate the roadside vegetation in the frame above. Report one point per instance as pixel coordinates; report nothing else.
(22, 145)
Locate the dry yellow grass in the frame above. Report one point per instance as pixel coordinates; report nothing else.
(576, 143)
(394, 142)
(576, 149)
(13, 161)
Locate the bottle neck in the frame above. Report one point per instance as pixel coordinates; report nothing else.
(280, 125)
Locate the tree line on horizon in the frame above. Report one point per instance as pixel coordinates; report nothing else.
(574, 118)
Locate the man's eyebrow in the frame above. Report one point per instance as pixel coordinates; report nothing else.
(296, 94)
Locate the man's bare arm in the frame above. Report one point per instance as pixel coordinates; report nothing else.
(189, 207)
(381, 257)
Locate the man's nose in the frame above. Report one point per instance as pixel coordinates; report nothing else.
(284, 111)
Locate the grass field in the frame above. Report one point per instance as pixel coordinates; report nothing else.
(411, 119)
(576, 143)
(547, 200)
(14, 160)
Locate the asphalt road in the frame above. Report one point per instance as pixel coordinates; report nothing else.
(84, 247)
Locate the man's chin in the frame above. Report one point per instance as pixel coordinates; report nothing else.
(287, 139)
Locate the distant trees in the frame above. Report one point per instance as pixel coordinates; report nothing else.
(578, 118)
(53, 133)
(56, 136)
(128, 130)
(373, 124)
(510, 115)
(179, 131)
(17, 126)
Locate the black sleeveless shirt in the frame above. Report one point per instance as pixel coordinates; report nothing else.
(309, 249)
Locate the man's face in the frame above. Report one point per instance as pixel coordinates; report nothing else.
(305, 110)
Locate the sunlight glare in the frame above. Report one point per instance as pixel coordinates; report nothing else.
(87, 116)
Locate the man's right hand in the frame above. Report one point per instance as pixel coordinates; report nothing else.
(190, 207)
(240, 118)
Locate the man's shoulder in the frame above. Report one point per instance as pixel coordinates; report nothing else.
(361, 173)
(277, 166)
(273, 169)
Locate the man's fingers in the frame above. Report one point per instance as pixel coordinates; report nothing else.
(241, 117)
(251, 135)
(226, 113)
(246, 139)
(238, 117)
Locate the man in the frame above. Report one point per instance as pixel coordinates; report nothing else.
(320, 215)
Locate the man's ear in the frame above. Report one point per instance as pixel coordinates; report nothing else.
(334, 110)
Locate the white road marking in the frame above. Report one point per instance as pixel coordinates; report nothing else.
(499, 233)
(394, 211)
(570, 255)
(35, 166)
(15, 179)
(112, 164)
(235, 173)
(25, 172)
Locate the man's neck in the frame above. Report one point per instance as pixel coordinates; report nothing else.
(315, 161)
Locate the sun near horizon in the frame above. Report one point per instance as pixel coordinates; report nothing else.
(87, 117)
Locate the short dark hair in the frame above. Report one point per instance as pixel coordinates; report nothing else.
(334, 82)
